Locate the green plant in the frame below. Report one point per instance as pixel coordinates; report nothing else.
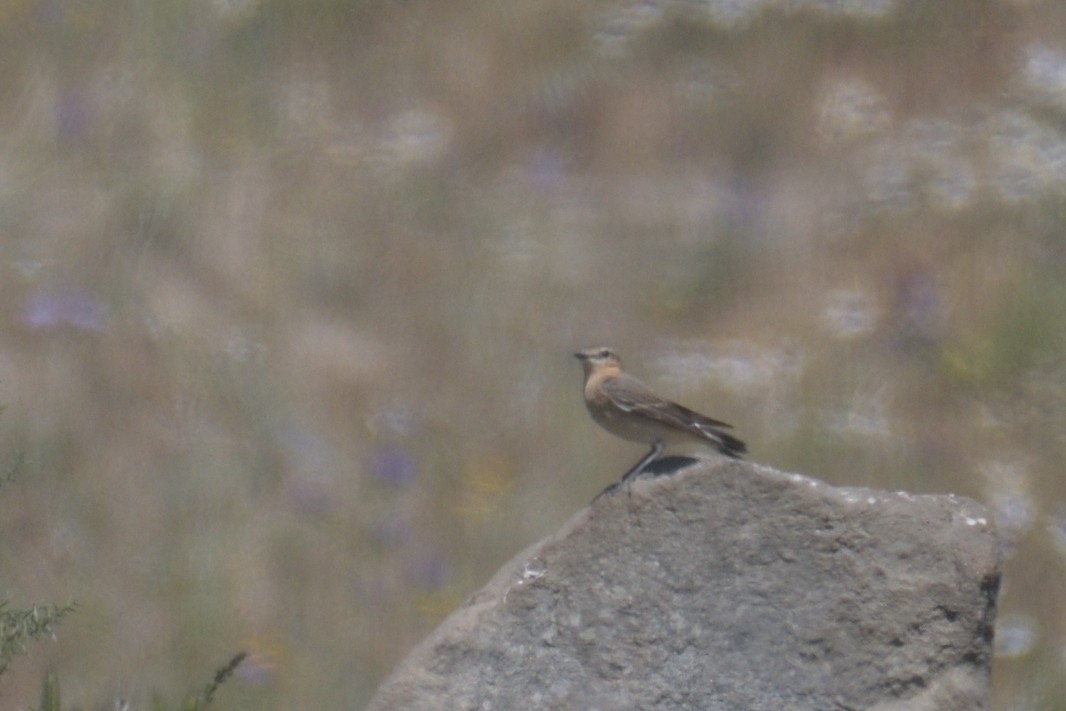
(202, 699)
(50, 692)
(198, 702)
(17, 626)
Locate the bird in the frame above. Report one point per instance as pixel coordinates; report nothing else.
(628, 408)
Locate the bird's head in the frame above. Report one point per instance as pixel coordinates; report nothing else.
(593, 359)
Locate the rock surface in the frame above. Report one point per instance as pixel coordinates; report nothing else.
(727, 586)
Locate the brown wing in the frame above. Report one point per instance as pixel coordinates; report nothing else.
(629, 394)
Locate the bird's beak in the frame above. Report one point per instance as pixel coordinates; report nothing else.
(580, 356)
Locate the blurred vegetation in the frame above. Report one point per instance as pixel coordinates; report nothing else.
(18, 626)
(50, 691)
(291, 290)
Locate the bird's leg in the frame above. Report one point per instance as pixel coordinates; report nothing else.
(651, 456)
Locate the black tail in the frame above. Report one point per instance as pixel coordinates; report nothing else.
(730, 446)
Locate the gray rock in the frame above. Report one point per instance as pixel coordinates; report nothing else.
(727, 585)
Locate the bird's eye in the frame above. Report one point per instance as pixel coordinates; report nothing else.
(604, 353)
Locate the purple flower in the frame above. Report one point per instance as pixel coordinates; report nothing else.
(431, 572)
(547, 169)
(392, 465)
(391, 531)
(73, 115)
(49, 309)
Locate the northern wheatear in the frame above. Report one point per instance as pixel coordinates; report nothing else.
(627, 408)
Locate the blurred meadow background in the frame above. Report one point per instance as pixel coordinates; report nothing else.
(290, 291)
